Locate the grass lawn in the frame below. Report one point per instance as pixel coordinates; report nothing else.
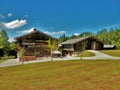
(62, 75)
(2, 61)
(86, 54)
(111, 52)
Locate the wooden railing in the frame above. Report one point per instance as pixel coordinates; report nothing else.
(27, 58)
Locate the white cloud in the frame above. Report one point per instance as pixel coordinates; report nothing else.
(55, 33)
(13, 24)
(11, 39)
(1, 16)
(9, 14)
(47, 32)
(76, 34)
(26, 31)
(62, 32)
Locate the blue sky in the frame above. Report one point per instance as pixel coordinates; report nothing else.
(70, 16)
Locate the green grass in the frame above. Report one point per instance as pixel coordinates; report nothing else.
(111, 52)
(86, 54)
(62, 75)
(2, 61)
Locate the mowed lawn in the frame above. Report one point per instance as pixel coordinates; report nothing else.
(2, 61)
(86, 54)
(111, 52)
(62, 75)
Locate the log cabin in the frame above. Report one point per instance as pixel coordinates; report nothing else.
(35, 44)
(74, 46)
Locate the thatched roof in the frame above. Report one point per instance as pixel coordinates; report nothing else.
(74, 41)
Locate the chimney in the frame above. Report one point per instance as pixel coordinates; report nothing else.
(34, 29)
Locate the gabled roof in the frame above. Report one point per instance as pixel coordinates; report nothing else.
(35, 32)
(73, 41)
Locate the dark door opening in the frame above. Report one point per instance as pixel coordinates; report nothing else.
(89, 45)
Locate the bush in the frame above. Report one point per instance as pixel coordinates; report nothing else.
(7, 57)
(4, 58)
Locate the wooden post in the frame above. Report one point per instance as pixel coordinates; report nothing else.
(35, 50)
(81, 56)
(51, 53)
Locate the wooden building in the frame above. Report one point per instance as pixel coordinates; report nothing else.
(35, 44)
(74, 46)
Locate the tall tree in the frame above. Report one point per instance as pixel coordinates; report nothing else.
(3, 39)
(62, 38)
(110, 37)
(4, 43)
(84, 34)
(103, 35)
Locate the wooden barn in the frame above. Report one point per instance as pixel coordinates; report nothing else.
(74, 46)
(35, 44)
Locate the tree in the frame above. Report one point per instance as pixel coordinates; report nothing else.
(84, 34)
(110, 37)
(115, 37)
(52, 46)
(21, 53)
(12, 46)
(62, 38)
(4, 43)
(102, 35)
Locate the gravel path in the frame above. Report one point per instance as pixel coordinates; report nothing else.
(98, 56)
(11, 62)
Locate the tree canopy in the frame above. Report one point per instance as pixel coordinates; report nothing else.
(3, 39)
(111, 36)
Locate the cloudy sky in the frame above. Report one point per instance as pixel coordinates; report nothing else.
(54, 17)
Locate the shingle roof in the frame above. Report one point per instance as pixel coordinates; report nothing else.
(73, 41)
(34, 32)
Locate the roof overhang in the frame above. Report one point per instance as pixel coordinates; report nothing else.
(74, 41)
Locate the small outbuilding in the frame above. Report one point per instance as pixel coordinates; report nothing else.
(109, 47)
(56, 54)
